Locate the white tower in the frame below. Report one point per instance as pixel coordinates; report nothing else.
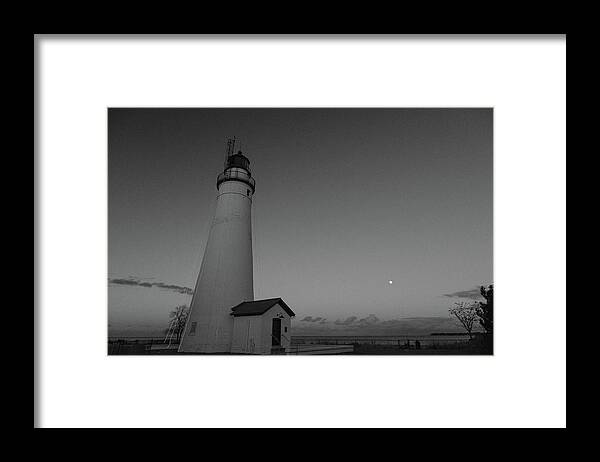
(225, 278)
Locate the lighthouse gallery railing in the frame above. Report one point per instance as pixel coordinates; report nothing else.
(236, 174)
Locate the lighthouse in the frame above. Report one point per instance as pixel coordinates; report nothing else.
(226, 278)
(224, 317)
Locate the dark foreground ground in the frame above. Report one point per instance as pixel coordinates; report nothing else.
(387, 350)
(474, 347)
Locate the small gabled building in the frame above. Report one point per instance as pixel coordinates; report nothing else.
(261, 327)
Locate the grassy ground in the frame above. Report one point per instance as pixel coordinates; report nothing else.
(474, 347)
(363, 350)
(383, 350)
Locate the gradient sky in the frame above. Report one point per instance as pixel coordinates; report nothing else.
(346, 200)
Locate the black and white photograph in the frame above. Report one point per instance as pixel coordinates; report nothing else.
(309, 231)
(255, 231)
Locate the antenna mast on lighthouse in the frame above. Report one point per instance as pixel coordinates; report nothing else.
(230, 149)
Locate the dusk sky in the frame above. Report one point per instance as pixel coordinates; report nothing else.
(346, 200)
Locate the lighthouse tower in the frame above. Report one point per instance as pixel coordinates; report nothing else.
(225, 279)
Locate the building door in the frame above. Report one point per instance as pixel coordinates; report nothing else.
(276, 332)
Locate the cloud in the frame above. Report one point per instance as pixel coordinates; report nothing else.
(311, 319)
(473, 294)
(131, 281)
(354, 321)
(371, 325)
(369, 320)
(346, 322)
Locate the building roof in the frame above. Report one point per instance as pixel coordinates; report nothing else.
(259, 307)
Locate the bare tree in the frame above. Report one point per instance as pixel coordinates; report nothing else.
(178, 318)
(466, 313)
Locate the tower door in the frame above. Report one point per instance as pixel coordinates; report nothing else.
(276, 332)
